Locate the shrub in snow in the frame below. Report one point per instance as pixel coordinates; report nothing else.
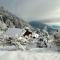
(57, 40)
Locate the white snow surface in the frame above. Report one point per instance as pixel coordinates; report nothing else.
(27, 55)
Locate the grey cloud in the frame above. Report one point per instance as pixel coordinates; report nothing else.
(35, 9)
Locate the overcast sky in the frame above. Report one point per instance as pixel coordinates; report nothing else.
(33, 9)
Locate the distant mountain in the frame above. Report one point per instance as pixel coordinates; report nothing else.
(55, 26)
(37, 24)
(7, 19)
(40, 25)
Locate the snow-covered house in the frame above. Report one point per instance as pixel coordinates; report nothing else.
(14, 32)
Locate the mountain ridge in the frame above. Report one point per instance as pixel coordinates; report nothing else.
(10, 20)
(42, 26)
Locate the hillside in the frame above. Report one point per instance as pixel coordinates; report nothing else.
(9, 20)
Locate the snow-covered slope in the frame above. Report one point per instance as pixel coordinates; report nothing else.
(19, 55)
(10, 20)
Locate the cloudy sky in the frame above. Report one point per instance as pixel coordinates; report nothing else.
(33, 9)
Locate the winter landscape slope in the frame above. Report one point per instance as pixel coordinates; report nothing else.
(44, 49)
(10, 20)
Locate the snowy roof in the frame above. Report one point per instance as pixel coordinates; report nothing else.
(13, 32)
